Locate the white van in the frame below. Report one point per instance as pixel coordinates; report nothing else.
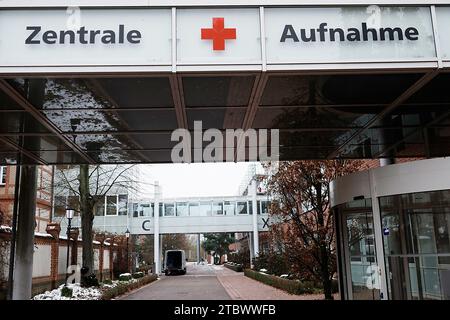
(174, 262)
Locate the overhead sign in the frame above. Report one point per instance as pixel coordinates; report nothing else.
(218, 36)
(89, 37)
(443, 25)
(305, 35)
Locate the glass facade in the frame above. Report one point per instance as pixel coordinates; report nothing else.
(229, 208)
(217, 208)
(169, 209)
(415, 229)
(417, 245)
(241, 207)
(118, 205)
(205, 208)
(182, 209)
(358, 252)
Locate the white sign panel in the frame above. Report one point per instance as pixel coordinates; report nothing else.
(218, 36)
(85, 37)
(443, 26)
(304, 35)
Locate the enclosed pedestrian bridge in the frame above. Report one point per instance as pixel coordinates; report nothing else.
(187, 215)
(110, 81)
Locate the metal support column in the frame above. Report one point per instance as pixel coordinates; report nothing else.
(23, 267)
(156, 246)
(255, 220)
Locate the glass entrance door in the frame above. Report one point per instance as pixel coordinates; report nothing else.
(360, 256)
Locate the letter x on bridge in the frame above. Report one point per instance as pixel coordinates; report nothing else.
(218, 34)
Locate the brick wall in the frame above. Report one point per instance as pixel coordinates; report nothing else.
(50, 253)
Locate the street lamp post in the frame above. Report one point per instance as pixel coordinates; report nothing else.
(127, 234)
(69, 216)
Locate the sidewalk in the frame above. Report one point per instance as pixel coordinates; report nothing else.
(240, 287)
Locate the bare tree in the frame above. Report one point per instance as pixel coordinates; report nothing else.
(90, 184)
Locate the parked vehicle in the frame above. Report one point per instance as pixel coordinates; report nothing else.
(174, 262)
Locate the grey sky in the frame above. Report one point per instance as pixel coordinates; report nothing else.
(195, 179)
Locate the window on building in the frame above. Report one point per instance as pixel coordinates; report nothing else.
(217, 208)
(44, 214)
(241, 207)
(99, 207)
(265, 205)
(194, 209)
(229, 208)
(123, 204)
(3, 170)
(205, 208)
(146, 210)
(169, 209)
(60, 206)
(135, 209)
(250, 207)
(182, 209)
(111, 205)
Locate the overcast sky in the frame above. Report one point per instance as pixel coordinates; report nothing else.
(195, 179)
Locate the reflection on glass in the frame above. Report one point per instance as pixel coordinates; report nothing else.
(99, 207)
(217, 91)
(295, 90)
(205, 208)
(182, 209)
(194, 209)
(217, 208)
(111, 205)
(241, 207)
(264, 207)
(123, 203)
(145, 210)
(169, 209)
(229, 208)
(417, 244)
(361, 247)
(359, 265)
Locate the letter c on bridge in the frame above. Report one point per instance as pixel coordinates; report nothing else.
(144, 225)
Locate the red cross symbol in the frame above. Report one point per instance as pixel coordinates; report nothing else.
(218, 34)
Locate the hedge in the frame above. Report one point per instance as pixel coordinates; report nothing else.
(291, 286)
(123, 287)
(234, 267)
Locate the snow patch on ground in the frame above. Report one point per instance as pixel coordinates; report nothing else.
(78, 293)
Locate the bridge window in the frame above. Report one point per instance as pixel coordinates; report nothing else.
(205, 209)
(182, 209)
(250, 207)
(146, 210)
(264, 207)
(99, 207)
(242, 207)
(123, 202)
(111, 205)
(217, 208)
(229, 208)
(194, 209)
(169, 209)
(135, 209)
